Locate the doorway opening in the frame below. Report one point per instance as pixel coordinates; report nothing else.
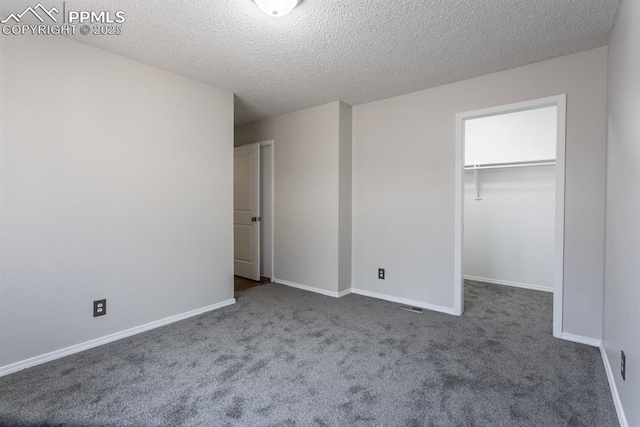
(253, 214)
(509, 200)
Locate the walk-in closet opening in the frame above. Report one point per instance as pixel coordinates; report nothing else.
(511, 207)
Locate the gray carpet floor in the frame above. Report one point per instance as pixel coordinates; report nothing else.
(286, 357)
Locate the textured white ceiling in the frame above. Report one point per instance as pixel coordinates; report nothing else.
(351, 50)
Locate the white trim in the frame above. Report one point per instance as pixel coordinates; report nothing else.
(458, 218)
(345, 292)
(622, 418)
(506, 283)
(580, 339)
(309, 288)
(362, 292)
(57, 354)
(560, 101)
(404, 301)
(558, 271)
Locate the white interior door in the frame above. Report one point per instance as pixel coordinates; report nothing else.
(246, 211)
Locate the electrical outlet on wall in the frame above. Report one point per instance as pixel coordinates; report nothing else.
(381, 273)
(623, 365)
(99, 307)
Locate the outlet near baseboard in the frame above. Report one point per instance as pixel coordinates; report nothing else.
(381, 273)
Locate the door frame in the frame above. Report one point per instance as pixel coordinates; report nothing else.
(559, 101)
(271, 143)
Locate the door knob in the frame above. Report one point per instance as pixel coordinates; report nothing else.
(254, 219)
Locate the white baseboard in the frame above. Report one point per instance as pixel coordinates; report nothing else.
(580, 339)
(343, 293)
(622, 418)
(506, 283)
(310, 288)
(57, 354)
(404, 301)
(362, 292)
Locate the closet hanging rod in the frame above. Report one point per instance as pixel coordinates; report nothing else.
(510, 165)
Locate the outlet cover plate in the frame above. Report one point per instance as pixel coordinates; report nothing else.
(99, 307)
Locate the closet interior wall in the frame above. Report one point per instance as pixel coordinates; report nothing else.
(510, 199)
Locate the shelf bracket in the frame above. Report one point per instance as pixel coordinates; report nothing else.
(476, 176)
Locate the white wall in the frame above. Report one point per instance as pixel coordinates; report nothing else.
(306, 184)
(622, 280)
(509, 234)
(266, 206)
(403, 183)
(116, 182)
(514, 137)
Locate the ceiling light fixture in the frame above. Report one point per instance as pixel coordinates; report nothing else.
(277, 7)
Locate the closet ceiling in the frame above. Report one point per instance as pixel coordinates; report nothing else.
(354, 51)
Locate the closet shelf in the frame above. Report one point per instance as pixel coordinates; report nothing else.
(510, 165)
(476, 168)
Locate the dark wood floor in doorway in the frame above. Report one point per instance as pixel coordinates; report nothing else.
(241, 284)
